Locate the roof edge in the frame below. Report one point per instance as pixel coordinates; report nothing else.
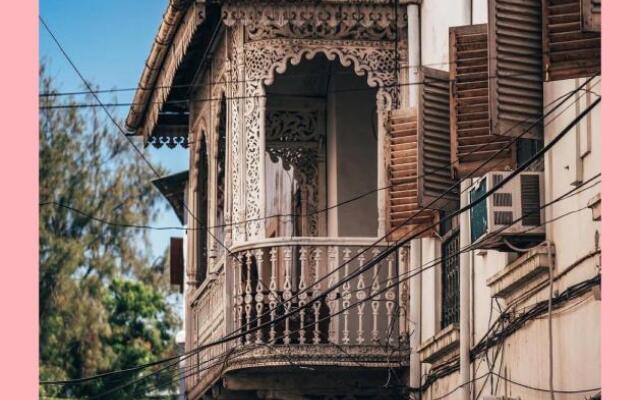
(168, 27)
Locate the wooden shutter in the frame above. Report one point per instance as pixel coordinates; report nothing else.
(404, 170)
(176, 262)
(435, 146)
(472, 141)
(515, 68)
(569, 51)
(591, 15)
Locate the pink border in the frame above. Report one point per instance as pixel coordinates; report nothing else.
(621, 141)
(18, 156)
(19, 204)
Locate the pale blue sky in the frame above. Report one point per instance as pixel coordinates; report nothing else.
(109, 42)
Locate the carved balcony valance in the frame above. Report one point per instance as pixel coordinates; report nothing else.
(371, 20)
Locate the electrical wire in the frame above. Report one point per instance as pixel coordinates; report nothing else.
(212, 99)
(370, 264)
(572, 192)
(377, 259)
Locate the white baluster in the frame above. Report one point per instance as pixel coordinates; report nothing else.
(346, 295)
(302, 294)
(317, 253)
(332, 298)
(248, 298)
(360, 296)
(273, 300)
(375, 303)
(239, 296)
(287, 293)
(404, 296)
(260, 298)
(390, 296)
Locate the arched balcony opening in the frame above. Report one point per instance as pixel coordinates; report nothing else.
(321, 150)
(202, 209)
(220, 175)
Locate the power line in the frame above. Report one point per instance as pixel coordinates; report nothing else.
(397, 245)
(375, 260)
(280, 215)
(348, 278)
(129, 140)
(571, 192)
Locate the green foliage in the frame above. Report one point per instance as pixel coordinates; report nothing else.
(103, 301)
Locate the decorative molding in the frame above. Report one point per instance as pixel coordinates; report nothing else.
(178, 49)
(318, 355)
(169, 140)
(333, 21)
(527, 271)
(441, 346)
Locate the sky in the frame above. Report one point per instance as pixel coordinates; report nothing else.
(109, 42)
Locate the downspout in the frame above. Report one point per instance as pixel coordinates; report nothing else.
(465, 295)
(413, 44)
(415, 285)
(415, 310)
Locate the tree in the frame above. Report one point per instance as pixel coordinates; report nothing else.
(103, 302)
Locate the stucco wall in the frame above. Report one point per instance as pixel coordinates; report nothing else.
(576, 158)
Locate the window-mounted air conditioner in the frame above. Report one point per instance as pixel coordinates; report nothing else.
(511, 215)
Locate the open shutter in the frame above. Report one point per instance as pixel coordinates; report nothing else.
(405, 175)
(591, 14)
(515, 67)
(472, 141)
(569, 50)
(176, 262)
(435, 146)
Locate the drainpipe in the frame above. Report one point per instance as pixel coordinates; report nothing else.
(415, 310)
(415, 284)
(413, 44)
(465, 295)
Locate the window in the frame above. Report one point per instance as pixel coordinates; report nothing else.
(450, 279)
(220, 179)
(202, 209)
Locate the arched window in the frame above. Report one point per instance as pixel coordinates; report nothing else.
(221, 144)
(202, 209)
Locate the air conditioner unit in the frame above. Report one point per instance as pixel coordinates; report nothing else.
(510, 214)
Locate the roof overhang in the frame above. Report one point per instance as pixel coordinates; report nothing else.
(159, 111)
(173, 188)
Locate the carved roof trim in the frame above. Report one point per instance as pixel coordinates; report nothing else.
(178, 26)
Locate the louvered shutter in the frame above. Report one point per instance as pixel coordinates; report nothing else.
(405, 176)
(472, 141)
(591, 14)
(515, 68)
(568, 50)
(176, 262)
(435, 146)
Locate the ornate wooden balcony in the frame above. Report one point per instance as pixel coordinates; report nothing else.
(266, 280)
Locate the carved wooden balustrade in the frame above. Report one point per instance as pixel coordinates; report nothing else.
(208, 324)
(271, 278)
(262, 281)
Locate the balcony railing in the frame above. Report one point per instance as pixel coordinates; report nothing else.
(267, 280)
(271, 278)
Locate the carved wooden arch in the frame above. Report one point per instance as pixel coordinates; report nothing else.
(263, 59)
(220, 95)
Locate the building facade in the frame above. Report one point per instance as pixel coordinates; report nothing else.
(334, 147)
